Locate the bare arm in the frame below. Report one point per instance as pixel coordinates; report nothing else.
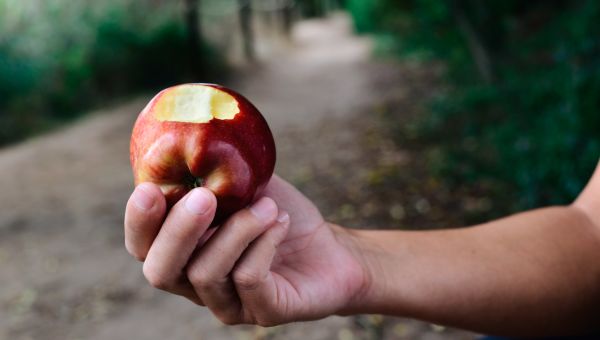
(532, 273)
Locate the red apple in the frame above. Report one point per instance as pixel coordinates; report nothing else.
(203, 135)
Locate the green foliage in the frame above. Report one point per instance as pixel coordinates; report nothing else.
(60, 57)
(317, 8)
(534, 127)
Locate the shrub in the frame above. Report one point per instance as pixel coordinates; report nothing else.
(527, 119)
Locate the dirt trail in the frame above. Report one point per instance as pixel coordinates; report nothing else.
(64, 271)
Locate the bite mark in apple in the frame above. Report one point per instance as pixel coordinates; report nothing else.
(195, 103)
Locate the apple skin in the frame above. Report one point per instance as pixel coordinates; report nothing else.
(234, 158)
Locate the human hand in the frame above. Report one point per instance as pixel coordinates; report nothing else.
(277, 261)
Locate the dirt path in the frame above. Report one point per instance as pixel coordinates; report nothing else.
(64, 271)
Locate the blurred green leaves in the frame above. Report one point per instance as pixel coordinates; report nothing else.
(59, 58)
(534, 126)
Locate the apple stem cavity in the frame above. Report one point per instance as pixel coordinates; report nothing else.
(198, 182)
(194, 182)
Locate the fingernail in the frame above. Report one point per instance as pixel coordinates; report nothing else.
(142, 198)
(283, 217)
(198, 202)
(264, 209)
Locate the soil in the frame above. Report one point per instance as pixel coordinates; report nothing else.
(65, 272)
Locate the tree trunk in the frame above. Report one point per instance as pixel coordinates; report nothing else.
(245, 13)
(288, 15)
(476, 46)
(194, 36)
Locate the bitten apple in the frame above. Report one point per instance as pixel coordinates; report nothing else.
(206, 135)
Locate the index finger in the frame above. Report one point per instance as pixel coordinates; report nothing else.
(144, 215)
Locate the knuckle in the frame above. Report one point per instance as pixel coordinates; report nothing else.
(229, 320)
(245, 279)
(199, 277)
(155, 278)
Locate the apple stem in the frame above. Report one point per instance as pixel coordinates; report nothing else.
(198, 182)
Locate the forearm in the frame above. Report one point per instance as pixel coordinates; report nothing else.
(533, 272)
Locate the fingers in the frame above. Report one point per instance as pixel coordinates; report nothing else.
(209, 272)
(252, 275)
(143, 217)
(302, 211)
(177, 239)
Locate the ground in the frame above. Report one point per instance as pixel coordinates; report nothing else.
(65, 273)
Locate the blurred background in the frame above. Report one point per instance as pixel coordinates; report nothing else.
(415, 114)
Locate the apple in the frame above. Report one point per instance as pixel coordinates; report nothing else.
(206, 135)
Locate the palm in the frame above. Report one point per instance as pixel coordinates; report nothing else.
(313, 273)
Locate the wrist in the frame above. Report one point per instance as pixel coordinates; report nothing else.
(364, 249)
